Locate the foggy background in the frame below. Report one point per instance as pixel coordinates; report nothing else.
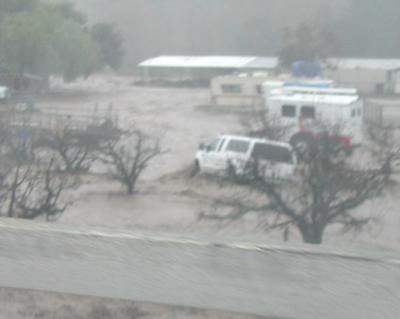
(364, 28)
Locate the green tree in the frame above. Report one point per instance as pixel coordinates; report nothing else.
(8, 7)
(24, 41)
(110, 44)
(68, 11)
(307, 42)
(75, 52)
(49, 39)
(43, 42)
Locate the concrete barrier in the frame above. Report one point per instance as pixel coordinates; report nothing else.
(264, 280)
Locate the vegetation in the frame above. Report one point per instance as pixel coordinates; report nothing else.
(39, 167)
(327, 189)
(307, 43)
(366, 28)
(48, 39)
(129, 156)
(110, 44)
(326, 192)
(75, 152)
(30, 182)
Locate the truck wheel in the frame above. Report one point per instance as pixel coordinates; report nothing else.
(195, 169)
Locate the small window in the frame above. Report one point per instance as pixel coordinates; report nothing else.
(231, 88)
(353, 113)
(238, 146)
(288, 111)
(259, 89)
(359, 112)
(308, 112)
(274, 153)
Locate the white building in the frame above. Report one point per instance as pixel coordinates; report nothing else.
(202, 69)
(369, 76)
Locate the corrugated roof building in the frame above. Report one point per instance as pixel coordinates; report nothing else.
(369, 76)
(202, 69)
(368, 64)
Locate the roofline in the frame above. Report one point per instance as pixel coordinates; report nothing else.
(344, 99)
(240, 65)
(255, 139)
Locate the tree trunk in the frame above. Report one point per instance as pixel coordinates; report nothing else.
(130, 188)
(311, 234)
(10, 212)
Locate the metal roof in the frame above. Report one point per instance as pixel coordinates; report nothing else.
(321, 91)
(254, 62)
(369, 64)
(316, 98)
(227, 62)
(263, 63)
(255, 139)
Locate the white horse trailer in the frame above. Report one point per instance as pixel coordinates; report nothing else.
(309, 112)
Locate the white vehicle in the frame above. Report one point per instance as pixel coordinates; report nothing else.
(239, 156)
(314, 111)
(4, 94)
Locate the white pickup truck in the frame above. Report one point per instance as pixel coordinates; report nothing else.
(243, 156)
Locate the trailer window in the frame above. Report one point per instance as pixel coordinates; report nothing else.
(238, 146)
(353, 113)
(288, 111)
(273, 153)
(231, 88)
(308, 112)
(259, 89)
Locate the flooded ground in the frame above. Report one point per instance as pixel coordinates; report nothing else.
(168, 200)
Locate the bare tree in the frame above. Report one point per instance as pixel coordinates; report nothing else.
(128, 156)
(17, 163)
(259, 124)
(76, 152)
(326, 192)
(384, 146)
(18, 177)
(41, 193)
(4, 176)
(31, 183)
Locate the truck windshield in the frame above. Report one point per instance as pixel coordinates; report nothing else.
(275, 153)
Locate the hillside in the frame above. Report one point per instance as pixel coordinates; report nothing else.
(252, 27)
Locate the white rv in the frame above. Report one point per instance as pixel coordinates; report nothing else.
(308, 112)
